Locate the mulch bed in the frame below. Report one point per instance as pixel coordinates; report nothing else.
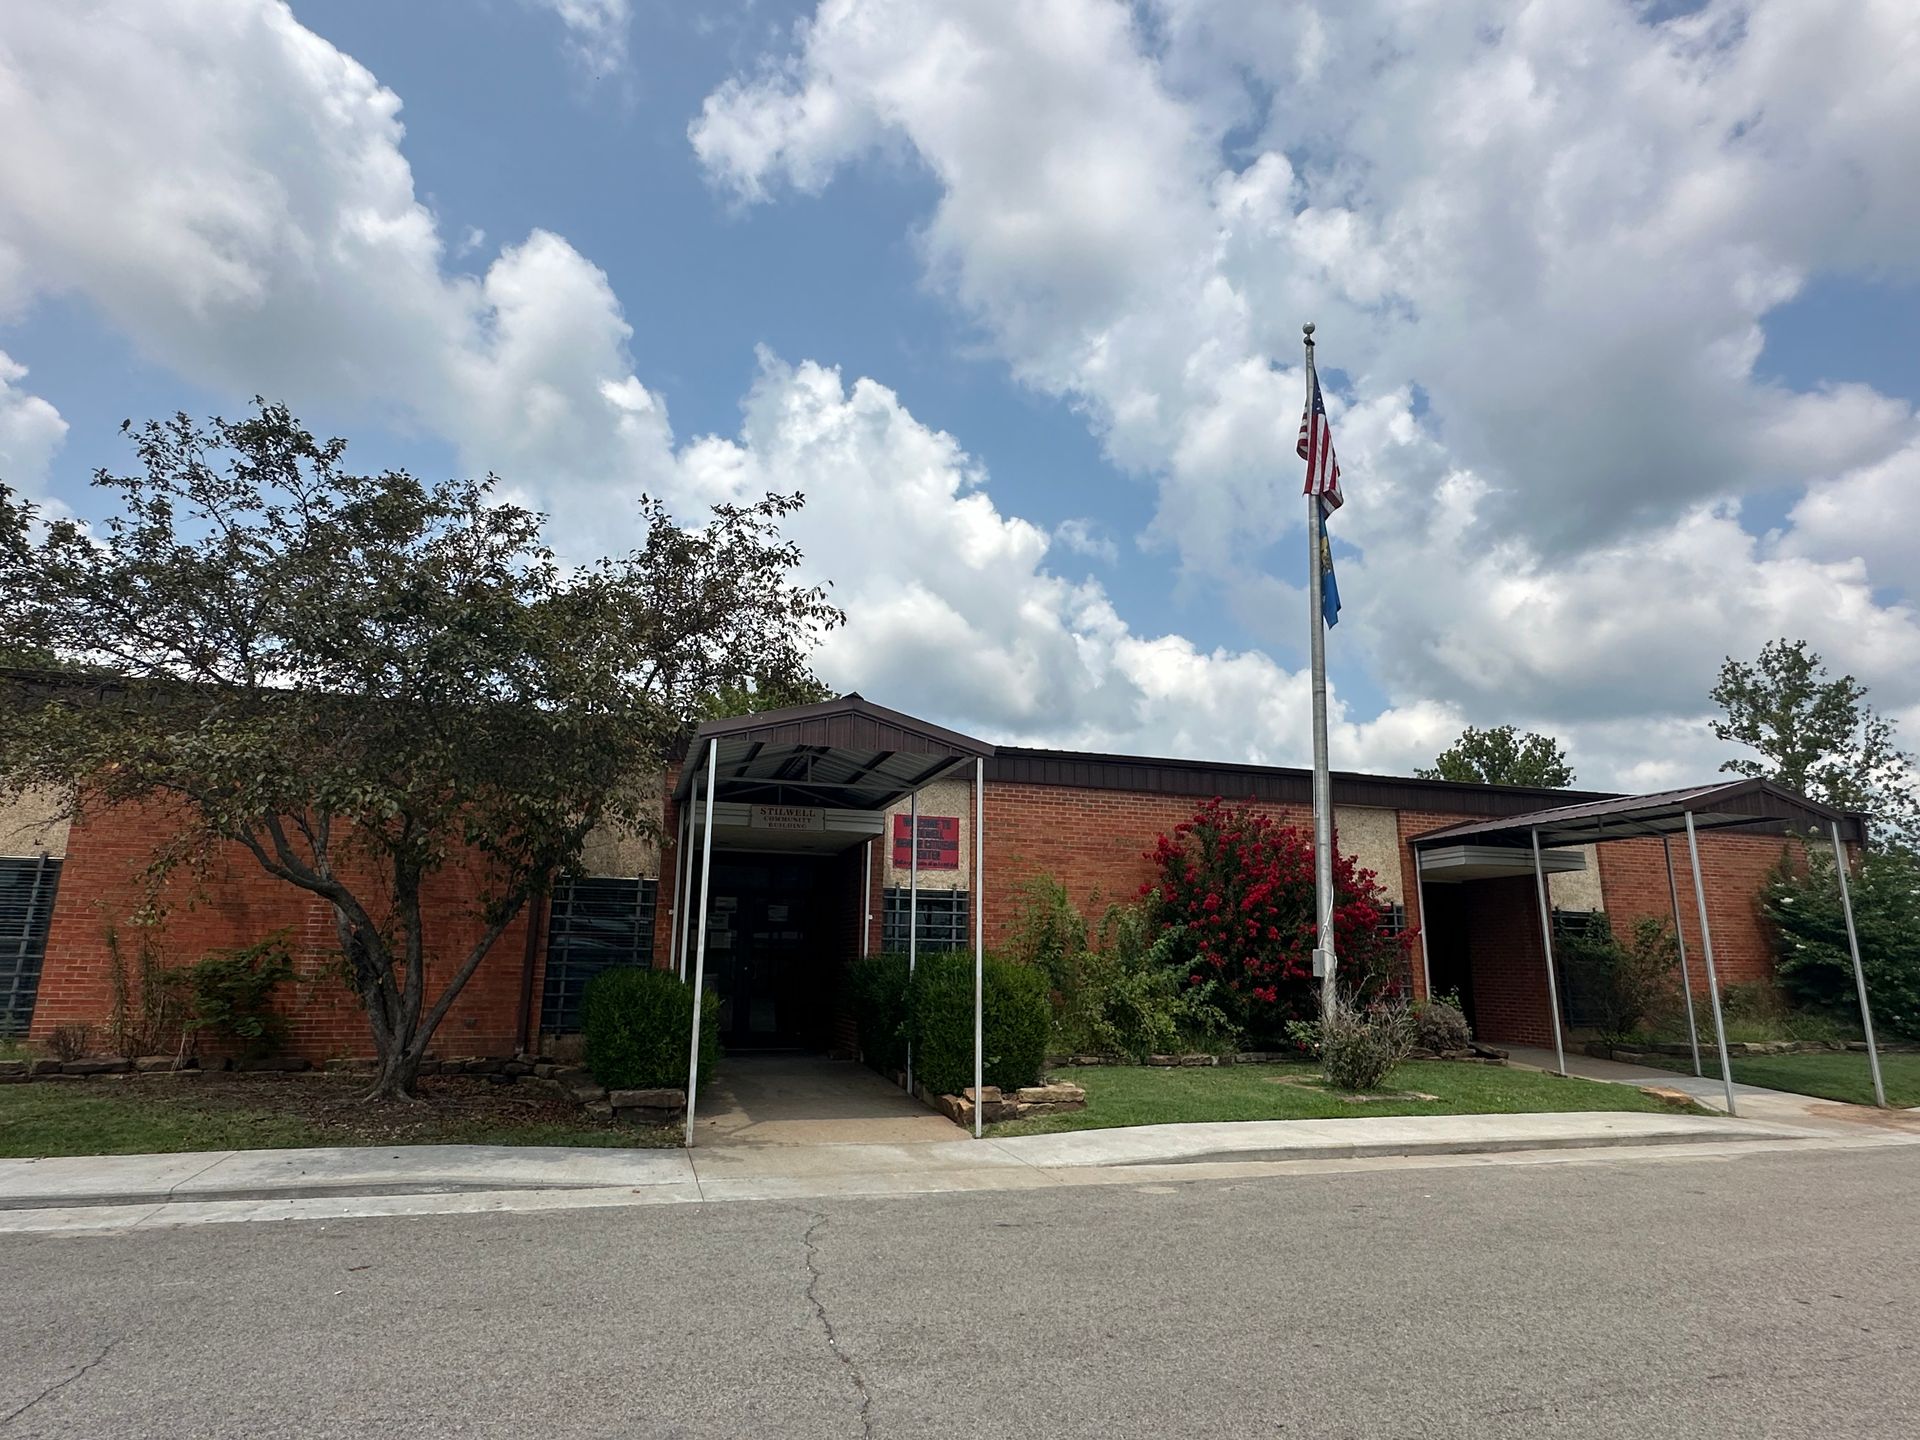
(450, 1108)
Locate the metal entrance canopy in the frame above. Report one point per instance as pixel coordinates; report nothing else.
(819, 776)
(1752, 804)
(1735, 804)
(847, 754)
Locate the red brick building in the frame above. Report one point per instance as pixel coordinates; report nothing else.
(814, 861)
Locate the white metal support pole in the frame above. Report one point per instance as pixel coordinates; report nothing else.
(1680, 939)
(1322, 785)
(700, 946)
(682, 883)
(866, 902)
(1546, 939)
(913, 907)
(1426, 959)
(1713, 978)
(979, 935)
(686, 928)
(1859, 973)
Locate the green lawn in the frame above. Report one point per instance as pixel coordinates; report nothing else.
(1831, 1074)
(1137, 1095)
(164, 1115)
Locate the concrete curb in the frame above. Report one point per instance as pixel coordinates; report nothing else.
(99, 1182)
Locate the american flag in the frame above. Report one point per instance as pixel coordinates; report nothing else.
(1316, 448)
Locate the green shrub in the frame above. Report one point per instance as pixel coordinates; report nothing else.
(1359, 1045)
(1440, 1025)
(1125, 991)
(1621, 985)
(229, 994)
(1049, 932)
(877, 993)
(1016, 1020)
(637, 1023)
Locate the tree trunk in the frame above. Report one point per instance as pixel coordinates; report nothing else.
(397, 1076)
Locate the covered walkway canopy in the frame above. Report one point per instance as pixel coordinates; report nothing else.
(1734, 804)
(817, 778)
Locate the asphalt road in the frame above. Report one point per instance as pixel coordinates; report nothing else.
(1762, 1296)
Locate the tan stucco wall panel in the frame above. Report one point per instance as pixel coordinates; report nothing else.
(943, 797)
(1578, 889)
(1372, 837)
(34, 823)
(617, 850)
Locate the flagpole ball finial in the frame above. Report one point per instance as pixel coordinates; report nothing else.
(1307, 329)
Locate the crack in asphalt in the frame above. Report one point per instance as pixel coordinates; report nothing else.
(816, 1222)
(18, 1411)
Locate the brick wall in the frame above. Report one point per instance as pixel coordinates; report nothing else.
(1094, 841)
(230, 901)
(1732, 867)
(1509, 966)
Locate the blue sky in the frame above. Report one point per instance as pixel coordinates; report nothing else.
(1078, 239)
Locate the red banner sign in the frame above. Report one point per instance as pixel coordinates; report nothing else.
(939, 842)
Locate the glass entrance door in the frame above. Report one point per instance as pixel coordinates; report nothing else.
(761, 941)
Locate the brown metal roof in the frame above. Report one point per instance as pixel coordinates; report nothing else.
(1731, 804)
(847, 753)
(1202, 779)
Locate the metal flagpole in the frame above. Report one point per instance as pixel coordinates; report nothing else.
(1546, 939)
(913, 907)
(1713, 979)
(1322, 787)
(980, 935)
(1859, 974)
(700, 946)
(1680, 939)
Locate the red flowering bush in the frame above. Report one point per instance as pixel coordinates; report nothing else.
(1239, 888)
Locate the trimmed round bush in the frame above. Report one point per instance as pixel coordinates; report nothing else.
(1440, 1026)
(637, 1023)
(1016, 1018)
(877, 995)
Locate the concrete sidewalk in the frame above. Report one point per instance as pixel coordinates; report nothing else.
(1754, 1102)
(120, 1191)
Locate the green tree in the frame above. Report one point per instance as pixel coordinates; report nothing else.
(1801, 904)
(1816, 735)
(1502, 756)
(750, 697)
(364, 680)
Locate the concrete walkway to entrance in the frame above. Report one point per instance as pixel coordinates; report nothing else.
(809, 1100)
(1755, 1102)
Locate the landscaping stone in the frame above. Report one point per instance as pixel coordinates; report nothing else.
(1667, 1093)
(589, 1095)
(1054, 1094)
(96, 1066)
(1196, 1060)
(43, 1067)
(659, 1099)
(1163, 1062)
(545, 1069)
(599, 1110)
(148, 1064)
(516, 1068)
(13, 1067)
